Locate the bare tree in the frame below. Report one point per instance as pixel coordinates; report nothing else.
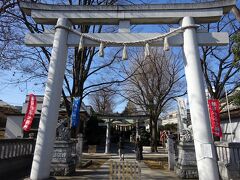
(103, 101)
(84, 71)
(218, 64)
(130, 109)
(157, 81)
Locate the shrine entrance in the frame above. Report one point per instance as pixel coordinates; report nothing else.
(187, 36)
(123, 125)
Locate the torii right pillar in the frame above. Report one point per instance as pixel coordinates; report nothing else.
(203, 141)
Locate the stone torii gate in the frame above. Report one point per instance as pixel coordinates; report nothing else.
(186, 36)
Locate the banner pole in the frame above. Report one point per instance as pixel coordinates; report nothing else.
(229, 116)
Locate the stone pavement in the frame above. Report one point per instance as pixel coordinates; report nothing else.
(147, 173)
(103, 171)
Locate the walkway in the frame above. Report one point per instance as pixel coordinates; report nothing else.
(103, 171)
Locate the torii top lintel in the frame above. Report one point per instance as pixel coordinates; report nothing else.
(137, 14)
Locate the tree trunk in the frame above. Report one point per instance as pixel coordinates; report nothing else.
(153, 133)
(151, 130)
(154, 136)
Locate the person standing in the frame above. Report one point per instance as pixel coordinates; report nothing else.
(138, 150)
(121, 149)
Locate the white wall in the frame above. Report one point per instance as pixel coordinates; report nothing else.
(14, 127)
(170, 121)
(226, 129)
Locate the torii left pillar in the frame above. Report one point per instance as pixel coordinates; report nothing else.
(51, 102)
(107, 145)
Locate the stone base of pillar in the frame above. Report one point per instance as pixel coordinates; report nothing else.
(63, 169)
(171, 154)
(64, 158)
(186, 166)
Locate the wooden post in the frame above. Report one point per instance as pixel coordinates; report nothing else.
(139, 172)
(111, 170)
(119, 170)
(123, 172)
(127, 170)
(115, 170)
(131, 172)
(134, 169)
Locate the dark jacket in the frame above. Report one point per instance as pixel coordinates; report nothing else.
(121, 144)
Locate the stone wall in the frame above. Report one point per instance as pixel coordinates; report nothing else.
(228, 159)
(15, 157)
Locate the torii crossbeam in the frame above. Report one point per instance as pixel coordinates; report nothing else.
(138, 14)
(63, 37)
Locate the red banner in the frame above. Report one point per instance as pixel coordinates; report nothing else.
(214, 112)
(31, 110)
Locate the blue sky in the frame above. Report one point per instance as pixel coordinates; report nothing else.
(15, 94)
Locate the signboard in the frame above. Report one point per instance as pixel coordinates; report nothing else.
(31, 110)
(182, 108)
(75, 112)
(214, 113)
